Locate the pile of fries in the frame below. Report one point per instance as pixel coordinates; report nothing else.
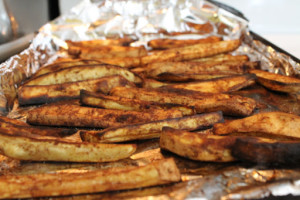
(98, 104)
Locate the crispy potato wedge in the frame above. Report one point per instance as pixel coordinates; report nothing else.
(119, 178)
(14, 127)
(191, 52)
(62, 65)
(165, 43)
(152, 83)
(121, 103)
(210, 148)
(78, 116)
(80, 73)
(275, 123)
(96, 43)
(229, 104)
(127, 62)
(219, 85)
(221, 58)
(39, 94)
(29, 148)
(266, 151)
(188, 77)
(151, 129)
(107, 52)
(158, 70)
(277, 82)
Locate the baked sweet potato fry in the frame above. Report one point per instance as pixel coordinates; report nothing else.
(219, 85)
(121, 103)
(274, 123)
(165, 43)
(39, 94)
(229, 104)
(79, 116)
(266, 151)
(80, 73)
(191, 52)
(31, 148)
(151, 129)
(277, 82)
(71, 183)
(210, 148)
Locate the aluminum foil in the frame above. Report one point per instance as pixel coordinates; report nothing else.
(144, 20)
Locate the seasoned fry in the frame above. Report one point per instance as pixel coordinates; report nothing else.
(229, 104)
(29, 148)
(15, 127)
(123, 62)
(277, 82)
(220, 85)
(191, 52)
(274, 123)
(152, 83)
(96, 43)
(166, 43)
(158, 70)
(266, 151)
(188, 77)
(121, 103)
(196, 146)
(119, 178)
(222, 58)
(77, 116)
(80, 73)
(107, 52)
(62, 65)
(39, 94)
(151, 129)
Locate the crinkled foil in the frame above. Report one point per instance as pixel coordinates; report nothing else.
(144, 20)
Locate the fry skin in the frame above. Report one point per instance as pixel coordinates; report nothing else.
(151, 129)
(79, 116)
(210, 148)
(191, 52)
(30, 148)
(277, 82)
(274, 123)
(71, 183)
(221, 58)
(229, 104)
(219, 85)
(39, 94)
(80, 73)
(96, 43)
(166, 43)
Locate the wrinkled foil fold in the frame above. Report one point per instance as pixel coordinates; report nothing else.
(144, 20)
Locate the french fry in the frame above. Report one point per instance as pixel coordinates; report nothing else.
(96, 43)
(157, 70)
(151, 129)
(219, 85)
(152, 83)
(210, 148)
(277, 82)
(126, 62)
(107, 52)
(30, 148)
(274, 123)
(229, 104)
(222, 58)
(78, 116)
(71, 183)
(186, 78)
(166, 43)
(14, 127)
(61, 65)
(121, 103)
(191, 52)
(266, 151)
(39, 94)
(80, 73)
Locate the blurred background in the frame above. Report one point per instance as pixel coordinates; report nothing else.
(276, 20)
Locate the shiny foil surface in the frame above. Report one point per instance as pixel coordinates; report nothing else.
(144, 20)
